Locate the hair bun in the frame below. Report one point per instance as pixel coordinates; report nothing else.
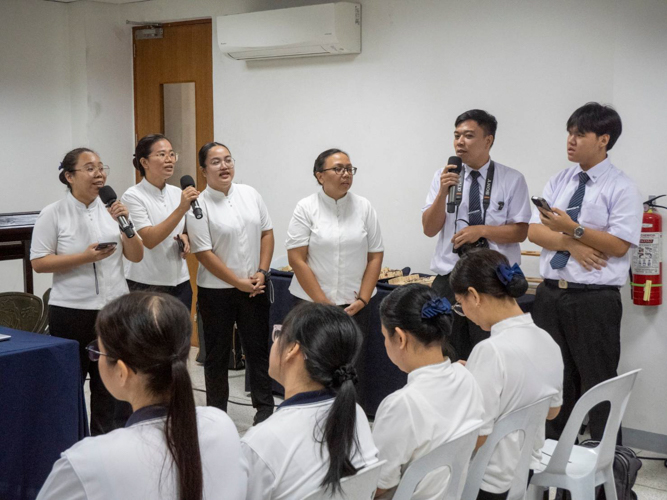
(62, 178)
(518, 286)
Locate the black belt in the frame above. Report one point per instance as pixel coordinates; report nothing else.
(567, 285)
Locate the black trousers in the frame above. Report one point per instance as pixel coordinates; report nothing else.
(586, 324)
(465, 334)
(219, 310)
(182, 291)
(106, 412)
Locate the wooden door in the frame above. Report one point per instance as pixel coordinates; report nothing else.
(182, 55)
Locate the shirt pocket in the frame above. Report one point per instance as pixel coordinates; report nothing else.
(496, 215)
(595, 217)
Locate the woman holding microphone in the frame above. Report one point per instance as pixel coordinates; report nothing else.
(158, 212)
(233, 243)
(79, 241)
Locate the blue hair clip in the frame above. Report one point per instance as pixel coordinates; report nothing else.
(505, 273)
(436, 307)
(60, 167)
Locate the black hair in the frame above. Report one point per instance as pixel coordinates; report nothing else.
(143, 150)
(69, 162)
(477, 269)
(330, 340)
(599, 119)
(322, 158)
(402, 309)
(203, 152)
(150, 333)
(486, 121)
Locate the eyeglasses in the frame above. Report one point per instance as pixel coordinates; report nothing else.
(94, 352)
(339, 170)
(163, 156)
(276, 332)
(92, 169)
(228, 162)
(458, 309)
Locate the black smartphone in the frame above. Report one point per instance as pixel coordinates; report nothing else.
(541, 203)
(102, 246)
(181, 244)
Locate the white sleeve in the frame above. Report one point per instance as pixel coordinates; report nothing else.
(394, 447)
(518, 210)
(198, 230)
(63, 482)
(374, 234)
(260, 477)
(432, 191)
(137, 209)
(264, 218)
(485, 365)
(548, 195)
(298, 231)
(44, 235)
(625, 215)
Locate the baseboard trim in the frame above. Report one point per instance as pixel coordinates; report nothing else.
(649, 441)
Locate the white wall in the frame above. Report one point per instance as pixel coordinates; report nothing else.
(393, 106)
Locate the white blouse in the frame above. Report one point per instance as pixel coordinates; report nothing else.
(149, 206)
(133, 463)
(68, 227)
(231, 227)
(285, 458)
(518, 365)
(440, 403)
(339, 236)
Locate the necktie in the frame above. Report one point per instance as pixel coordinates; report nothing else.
(474, 206)
(559, 261)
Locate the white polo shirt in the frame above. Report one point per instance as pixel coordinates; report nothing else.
(68, 227)
(510, 204)
(339, 235)
(134, 463)
(149, 206)
(440, 403)
(232, 227)
(517, 366)
(612, 204)
(285, 458)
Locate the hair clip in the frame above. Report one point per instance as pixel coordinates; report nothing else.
(505, 273)
(436, 307)
(60, 167)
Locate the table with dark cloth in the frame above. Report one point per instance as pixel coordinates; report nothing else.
(42, 409)
(378, 376)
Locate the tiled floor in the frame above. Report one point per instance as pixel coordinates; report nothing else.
(651, 482)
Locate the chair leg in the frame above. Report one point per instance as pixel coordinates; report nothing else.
(535, 492)
(582, 490)
(610, 488)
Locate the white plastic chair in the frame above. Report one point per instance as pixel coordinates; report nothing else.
(526, 419)
(361, 486)
(580, 469)
(455, 455)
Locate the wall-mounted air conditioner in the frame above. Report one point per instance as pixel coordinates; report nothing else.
(316, 30)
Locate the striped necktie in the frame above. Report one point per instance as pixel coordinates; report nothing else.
(559, 261)
(474, 207)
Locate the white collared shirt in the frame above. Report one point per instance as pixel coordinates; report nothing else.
(231, 227)
(68, 227)
(285, 456)
(517, 366)
(440, 403)
(162, 265)
(339, 236)
(510, 204)
(612, 204)
(134, 463)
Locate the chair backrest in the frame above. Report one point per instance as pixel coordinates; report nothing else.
(43, 325)
(617, 392)
(21, 311)
(455, 455)
(361, 486)
(526, 419)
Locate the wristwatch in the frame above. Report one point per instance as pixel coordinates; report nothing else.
(267, 274)
(578, 232)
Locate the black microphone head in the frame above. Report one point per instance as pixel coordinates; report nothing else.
(187, 181)
(108, 195)
(455, 160)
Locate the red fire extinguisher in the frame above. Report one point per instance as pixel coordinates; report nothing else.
(647, 258)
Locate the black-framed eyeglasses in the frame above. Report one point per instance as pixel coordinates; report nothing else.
(94, 352)
(458, 309)
(338, 170)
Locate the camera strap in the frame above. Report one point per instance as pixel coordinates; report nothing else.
(486, 199)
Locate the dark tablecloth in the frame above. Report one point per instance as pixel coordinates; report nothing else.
(42, 409)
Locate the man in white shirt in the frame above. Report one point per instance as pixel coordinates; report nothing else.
(595, 219)
(498, 220)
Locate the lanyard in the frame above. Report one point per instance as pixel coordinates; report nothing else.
(486, 200)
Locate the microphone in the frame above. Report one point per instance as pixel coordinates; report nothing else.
(108, 197)
(451, 199)
(186, 182)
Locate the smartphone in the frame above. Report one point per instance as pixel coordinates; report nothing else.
(541, 203)
(181, 244)
(4, 337)
(102, 246)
